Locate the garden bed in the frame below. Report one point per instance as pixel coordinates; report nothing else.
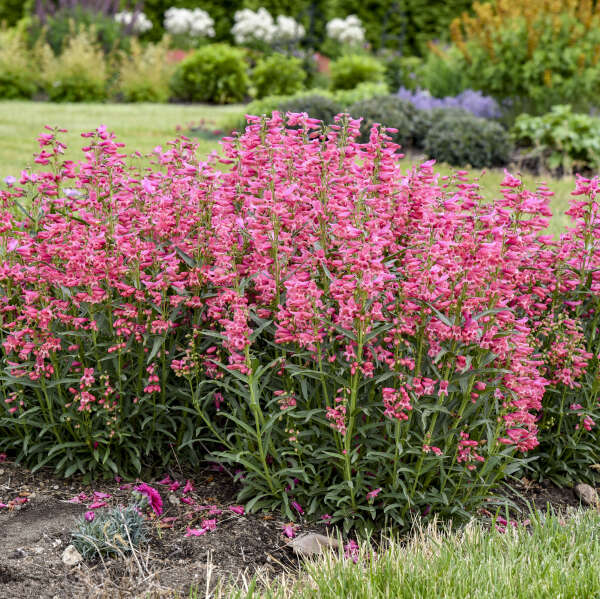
(36, 532)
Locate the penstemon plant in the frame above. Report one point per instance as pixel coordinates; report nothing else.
(361, 343)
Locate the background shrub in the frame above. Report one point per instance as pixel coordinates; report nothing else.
(18, 71)
(350, 70)
(278, 74)
(560, 141)
(535, 54)
(460, 139)
(401, 71)
(468, 100)
(214, 73)
(406, 26)
(56, 22)
(389, 111)
(316, 106)
(144, 73)
(78, 74)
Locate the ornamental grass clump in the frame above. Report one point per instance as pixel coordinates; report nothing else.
(358, 341)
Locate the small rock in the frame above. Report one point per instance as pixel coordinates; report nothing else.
(70, 556)
(586, 494)
(173, 499)
(313, 543)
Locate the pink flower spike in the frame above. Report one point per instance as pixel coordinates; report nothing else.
(189, 487)
(372, 494)
(237, 509)
(195, 532)
(89, 516)
(97, 504)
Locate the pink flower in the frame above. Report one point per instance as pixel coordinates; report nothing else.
(101, 495)
(195, 532)
(289, 530)
(89, 516)
(154, 498)
(297, 507)
(188, 488)
(372, 494)
(237, 509)
(97, 504)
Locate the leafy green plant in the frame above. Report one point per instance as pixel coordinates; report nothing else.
(560, 141)
(79, 73)
(214, 73)
(278, 74)
(351, 69)
(113, 532)
(461, 139)
(144, 72)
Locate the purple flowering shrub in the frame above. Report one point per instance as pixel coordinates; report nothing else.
(470, 100)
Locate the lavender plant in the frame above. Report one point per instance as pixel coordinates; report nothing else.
(470, 100)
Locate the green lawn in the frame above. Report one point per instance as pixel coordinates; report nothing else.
(555, 557)
(140, 126)
(144, 126)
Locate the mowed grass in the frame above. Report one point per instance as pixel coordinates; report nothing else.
(553, 558)
(141, 127)
(144, 126)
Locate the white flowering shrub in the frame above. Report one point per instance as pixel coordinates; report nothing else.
(252, 26)
(195, 23)
(288, 30)
(346, 31)
(139, 22)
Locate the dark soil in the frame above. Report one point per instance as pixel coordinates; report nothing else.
(35, 529)
(34, 534)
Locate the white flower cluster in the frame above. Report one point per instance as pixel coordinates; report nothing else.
(141, 23)
(346, 31)
(260, 25)
(196, 23)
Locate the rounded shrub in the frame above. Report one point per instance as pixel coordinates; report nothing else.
(352, 69)
(389, 111)
(79, 74)
(461, 139)
(316, 106)
(278, 75)
(214, 73)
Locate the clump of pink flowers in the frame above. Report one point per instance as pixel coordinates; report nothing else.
(341, 328)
